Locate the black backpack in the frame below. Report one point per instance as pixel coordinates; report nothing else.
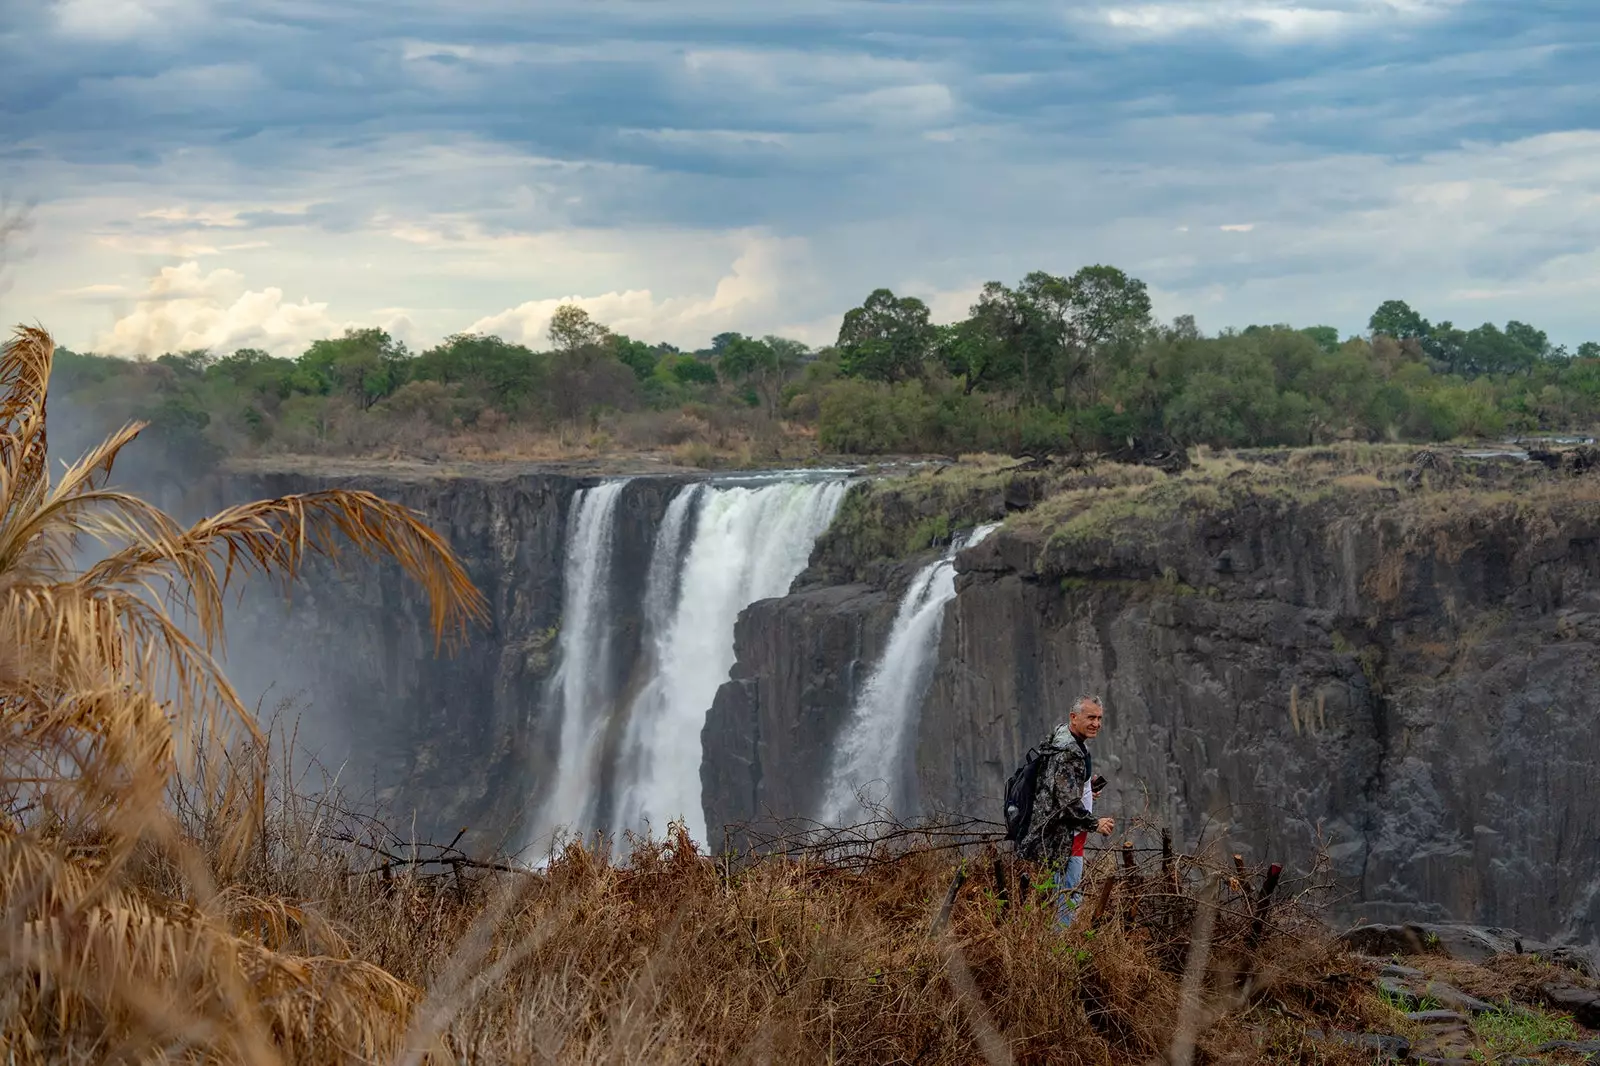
(1021, 788)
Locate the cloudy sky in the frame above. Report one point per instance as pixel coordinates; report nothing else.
(228, 173)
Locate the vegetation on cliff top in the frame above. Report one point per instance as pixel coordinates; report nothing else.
(1433, 503)
(1053, 365)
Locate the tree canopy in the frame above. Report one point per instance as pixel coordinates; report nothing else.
(1050, 363)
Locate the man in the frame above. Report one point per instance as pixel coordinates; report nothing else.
(1063, 806)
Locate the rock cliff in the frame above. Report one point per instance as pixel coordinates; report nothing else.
(1394, 667)
(446, 740)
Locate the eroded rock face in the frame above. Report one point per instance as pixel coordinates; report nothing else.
(1279, 678)
(769, 736)
(449, 740)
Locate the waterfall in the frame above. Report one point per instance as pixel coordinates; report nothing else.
(660, 601)
(661, 587)
(749, 543)
(877, 742)
(583, 681)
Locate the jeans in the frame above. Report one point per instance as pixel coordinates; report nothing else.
(1066, 880)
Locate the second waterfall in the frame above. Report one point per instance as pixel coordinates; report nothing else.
(630, 751)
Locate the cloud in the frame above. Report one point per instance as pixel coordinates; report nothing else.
(184, 308)
(748, 298)
(461, 160)
(1287, 20)
(115, 19)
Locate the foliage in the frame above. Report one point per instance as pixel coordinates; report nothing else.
(1055, 364)
(888, 338)
(1522, 1031)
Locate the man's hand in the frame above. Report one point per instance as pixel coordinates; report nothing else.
(1106, 826)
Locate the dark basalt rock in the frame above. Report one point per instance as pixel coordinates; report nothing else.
(1282, 676)
(1583, 1003)
(1385, 1048)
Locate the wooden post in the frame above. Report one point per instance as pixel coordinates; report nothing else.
(943, 916)
(1103, 900)
(1131, 874)
(1246, 893)
(1258, 925)
(1169, 865)
(1002, 883)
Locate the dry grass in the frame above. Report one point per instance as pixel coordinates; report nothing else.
(673, 956)
(107, 687)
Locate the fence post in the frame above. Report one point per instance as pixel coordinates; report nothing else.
(1258, 925)
(1002, 883)
(949, 900)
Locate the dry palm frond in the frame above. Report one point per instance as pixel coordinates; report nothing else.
(103, 686)
(274, 536)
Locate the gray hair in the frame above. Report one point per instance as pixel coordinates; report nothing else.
(1083, 702)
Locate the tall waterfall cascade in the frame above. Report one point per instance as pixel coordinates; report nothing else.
(719, 548)
(873, 761)
(582, 683)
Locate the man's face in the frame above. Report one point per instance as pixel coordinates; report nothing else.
(1085, 720)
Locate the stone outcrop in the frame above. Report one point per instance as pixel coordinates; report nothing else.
(1406, 683)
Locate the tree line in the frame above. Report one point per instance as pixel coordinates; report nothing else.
(1051, 364)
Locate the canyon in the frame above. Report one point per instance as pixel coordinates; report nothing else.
(1382, 669)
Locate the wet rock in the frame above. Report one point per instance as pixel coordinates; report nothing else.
(1581, 960)
(1385, 1047)
(1414, 990)
(1582, 1003)
(1580, 1046)
(1437, 1017)
(1472, 943)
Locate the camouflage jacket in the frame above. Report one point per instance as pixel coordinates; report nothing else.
(1059, 813)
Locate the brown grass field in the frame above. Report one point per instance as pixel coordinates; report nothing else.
(168, 895)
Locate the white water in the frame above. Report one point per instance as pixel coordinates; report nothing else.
(749, 543)
(582, 681)
(873, 756)
(660, 601)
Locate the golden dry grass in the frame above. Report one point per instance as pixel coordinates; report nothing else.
(108, 686)
(673, 956)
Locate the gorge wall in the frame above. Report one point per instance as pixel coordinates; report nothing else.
(1403, 677)
(441, 740)
(1400, 673)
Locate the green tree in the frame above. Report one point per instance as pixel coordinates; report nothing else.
(1325, 337)
(192, 363)
(367, 364)
(887, 338)
(764, 365)
(1087, 324)
(1395, 318)
(635, 355)
(988, 348)
(506, 375)
(1532, 341)
(572, 331)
